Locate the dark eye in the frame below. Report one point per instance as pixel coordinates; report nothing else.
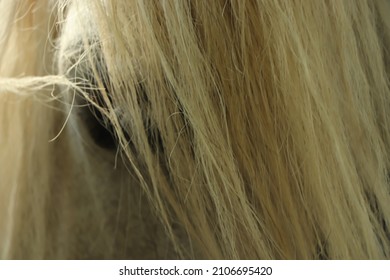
(83, 67)
(98, 127)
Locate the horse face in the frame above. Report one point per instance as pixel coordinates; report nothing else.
(105, 212)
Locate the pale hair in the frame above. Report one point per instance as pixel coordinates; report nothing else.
(242, 129)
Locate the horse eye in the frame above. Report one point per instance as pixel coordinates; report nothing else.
(98, 127)
(82, 71)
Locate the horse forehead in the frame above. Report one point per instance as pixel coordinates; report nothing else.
(80, 21)
(79, 24)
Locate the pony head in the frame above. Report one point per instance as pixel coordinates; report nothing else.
(194, 129)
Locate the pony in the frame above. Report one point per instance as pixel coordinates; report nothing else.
(163, 129)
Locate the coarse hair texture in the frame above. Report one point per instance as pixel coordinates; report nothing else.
(240, 129)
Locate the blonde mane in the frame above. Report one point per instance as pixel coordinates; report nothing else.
(218, 129)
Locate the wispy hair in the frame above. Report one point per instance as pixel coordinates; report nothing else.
(240, 129)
